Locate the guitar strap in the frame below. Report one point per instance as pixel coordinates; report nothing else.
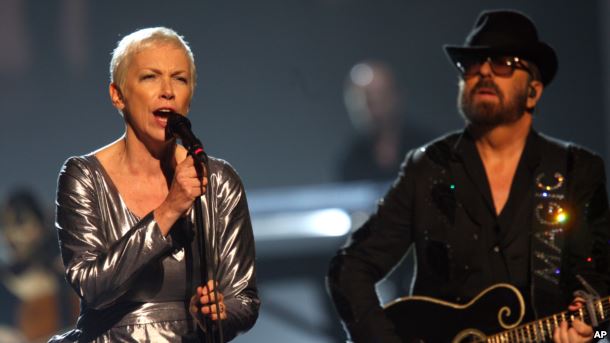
(550, 218)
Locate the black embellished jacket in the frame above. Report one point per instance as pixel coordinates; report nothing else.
(442, 204)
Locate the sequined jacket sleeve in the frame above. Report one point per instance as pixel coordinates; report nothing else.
(368, 256)
(99, 264)
(226, 209)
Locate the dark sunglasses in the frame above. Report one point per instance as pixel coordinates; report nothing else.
(500, 65)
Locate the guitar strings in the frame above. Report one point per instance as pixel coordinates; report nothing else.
(545, 325)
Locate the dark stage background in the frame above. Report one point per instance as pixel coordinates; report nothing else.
(270, 100)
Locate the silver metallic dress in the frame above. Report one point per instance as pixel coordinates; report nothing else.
(134, 284)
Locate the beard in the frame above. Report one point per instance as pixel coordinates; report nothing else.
(491, 114)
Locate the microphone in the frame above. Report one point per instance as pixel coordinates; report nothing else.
(179, 126)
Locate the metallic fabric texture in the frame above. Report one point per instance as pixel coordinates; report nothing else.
(134, 284)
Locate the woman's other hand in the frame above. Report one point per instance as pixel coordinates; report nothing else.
(203, 303)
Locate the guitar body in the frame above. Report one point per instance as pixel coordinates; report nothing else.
(424, 319)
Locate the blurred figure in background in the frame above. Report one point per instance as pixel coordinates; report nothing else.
(376, 106)
(32, 293)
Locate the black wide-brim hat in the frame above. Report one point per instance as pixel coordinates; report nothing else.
(507, 32)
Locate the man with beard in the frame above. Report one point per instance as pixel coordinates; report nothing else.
(495, 204)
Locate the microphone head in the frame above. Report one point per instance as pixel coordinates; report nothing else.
(176, 123)
(176, 120)
(179, 127)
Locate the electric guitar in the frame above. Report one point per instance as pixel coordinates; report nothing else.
(494, 315)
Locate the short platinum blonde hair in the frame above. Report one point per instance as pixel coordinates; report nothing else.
(140, 40)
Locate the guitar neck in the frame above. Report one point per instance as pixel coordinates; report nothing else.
(542, 329)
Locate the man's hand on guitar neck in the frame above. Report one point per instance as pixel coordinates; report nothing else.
(578, 332)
